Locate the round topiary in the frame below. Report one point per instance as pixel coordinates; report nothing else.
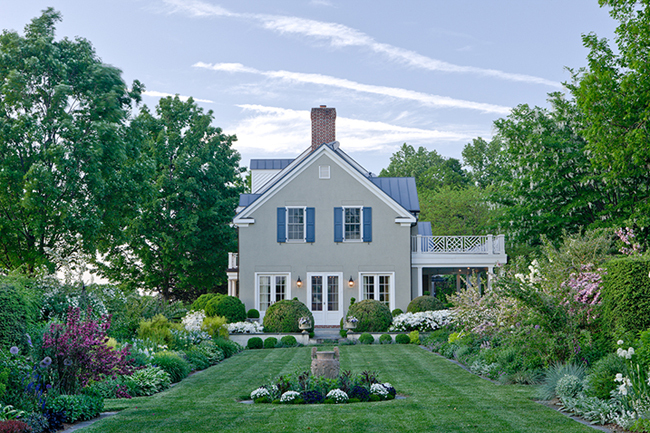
(255, 343)
(373, 316)
(366, 338)
(270, 343)
(253, 314)
(397, 312)
(211, 304)
(202, 301)
(425, 303)
(402, 339)
(232, 309)
(283, 316)
(289, 341)
(385, 339)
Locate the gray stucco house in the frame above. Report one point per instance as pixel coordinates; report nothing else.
(323, 229)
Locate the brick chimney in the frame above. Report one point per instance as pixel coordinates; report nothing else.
(323, 126)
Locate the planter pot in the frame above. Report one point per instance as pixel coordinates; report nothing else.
(350, 325)
(304, 327)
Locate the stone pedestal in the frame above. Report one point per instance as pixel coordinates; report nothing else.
(325, 364)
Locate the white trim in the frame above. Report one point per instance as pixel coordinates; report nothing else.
(304, 225)
(391, 289)
(404, 222)
(360, 224)
(324, 172)
(302, 165)
(287, 293)
(244, 222)
(325, 275)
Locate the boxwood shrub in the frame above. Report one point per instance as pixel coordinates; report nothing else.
(385, 339)
(425, 303)
(17, 311)
(288, 341)
(283, 316)
(255, 343)
(202, 301)
(373, 316)
(397, 312)
(270, 343)
(402, 339)
(366, 338)
(229, 307)
(626, 294)
(253, 314)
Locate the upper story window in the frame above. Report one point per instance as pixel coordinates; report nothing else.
(295, 224)
(352, 224)
(323, 171)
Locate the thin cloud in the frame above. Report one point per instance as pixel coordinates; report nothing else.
(274, 130)
(325, 80)
(339, 36)
(155, 94)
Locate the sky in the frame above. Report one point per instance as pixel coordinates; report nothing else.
(432, 73)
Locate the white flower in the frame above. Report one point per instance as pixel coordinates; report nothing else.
(378, 389)
(618, 378)
(289, 396)
(619, 342)
(423, 321)
(337, 395)
(387, 385)
(193, 320)
(245, 328)
(630, 352)
(622, 389)
(259, 393)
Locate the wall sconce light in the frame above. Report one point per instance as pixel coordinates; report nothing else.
(351, 282)
(299, 283)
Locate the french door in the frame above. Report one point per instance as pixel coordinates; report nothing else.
(325, 297)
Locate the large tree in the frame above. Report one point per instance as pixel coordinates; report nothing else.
(64, 164)
(178, 243)
(613, 93)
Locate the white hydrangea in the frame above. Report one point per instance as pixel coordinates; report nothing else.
(245, 328)
(259, 393)
(289, 396)
(193, 320)
(337, 395)
(423, 321)
(378, 389)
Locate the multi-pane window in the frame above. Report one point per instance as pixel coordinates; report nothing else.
(378, 287)
(295, 224)
(272, 288)
(352, 223)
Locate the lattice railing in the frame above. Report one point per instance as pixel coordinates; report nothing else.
(457, 244)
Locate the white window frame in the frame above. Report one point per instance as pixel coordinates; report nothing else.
(304, 223)
(287, 289)
(360, 224)
(323, 171)
(391, 286)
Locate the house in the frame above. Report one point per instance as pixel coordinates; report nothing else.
(323, 229)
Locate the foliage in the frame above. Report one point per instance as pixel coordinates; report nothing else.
(366, 338)
(600, 379)
(402, 339)
(229, 307)
(80, 354)
(554, 374)
(396, 312)
(568, 386)
(255, 343)
(197, 358)
(454, 211)
(37, 422)
(174, 364)
(67, 172)
(215, 326)
(283, 316)
(288, 341)
(147, 381)
(373, 316)
(79, 407)
(414, 336)
(424, 303)
(626, 294)
(424, 322)
(228, 347)
(202, 301)
(14, 426)
(253, 314)
(18, 310)
(270, 342)
(385, 339)
(177, 242)
(210, 350)
(156, 329)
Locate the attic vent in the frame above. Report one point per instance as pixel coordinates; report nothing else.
(323, 171)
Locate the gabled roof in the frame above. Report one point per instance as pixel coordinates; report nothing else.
(399, 193)
(269, 164)
(401, 189)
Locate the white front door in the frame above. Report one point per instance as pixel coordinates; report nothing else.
(324, 290)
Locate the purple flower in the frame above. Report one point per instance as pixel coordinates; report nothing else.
(536, 326)
(67, 362)
(29, 340)
(46, 362)
(14, 350)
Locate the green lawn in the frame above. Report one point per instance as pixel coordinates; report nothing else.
(441, 397)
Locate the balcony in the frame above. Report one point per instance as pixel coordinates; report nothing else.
(233, 262)
(445, 251)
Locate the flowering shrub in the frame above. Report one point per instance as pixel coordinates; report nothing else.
(260, 393)
(627, 236)
(423, 322)
(289, 396)
(193, 320)
(583, 297)
(245, 328)
(337, 396)
(81, 354)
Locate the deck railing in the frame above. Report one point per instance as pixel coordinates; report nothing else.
(487, 244)
(233, 261)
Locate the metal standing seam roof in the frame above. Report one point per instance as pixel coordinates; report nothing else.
(424, 228)
(269, 164)
(246, 199)
(400, 189)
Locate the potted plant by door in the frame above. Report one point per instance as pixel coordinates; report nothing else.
(304, 323)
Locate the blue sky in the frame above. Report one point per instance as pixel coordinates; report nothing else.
(428, 73)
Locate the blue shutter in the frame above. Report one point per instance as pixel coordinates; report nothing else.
(338, 224)
(311, 225)
(367, 224)
(282, 224)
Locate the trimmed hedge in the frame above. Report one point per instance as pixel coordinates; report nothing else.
(283, 316)
(402, 339)
(17, 312)
(229, 307)
(270, 343)
(385, 339)
(366, 338)
(425, 303)
(289, 341)
(373, 316)
(255, 343)
(626, 294)
(202, 301)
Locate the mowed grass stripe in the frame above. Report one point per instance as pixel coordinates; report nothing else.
(441, 397)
